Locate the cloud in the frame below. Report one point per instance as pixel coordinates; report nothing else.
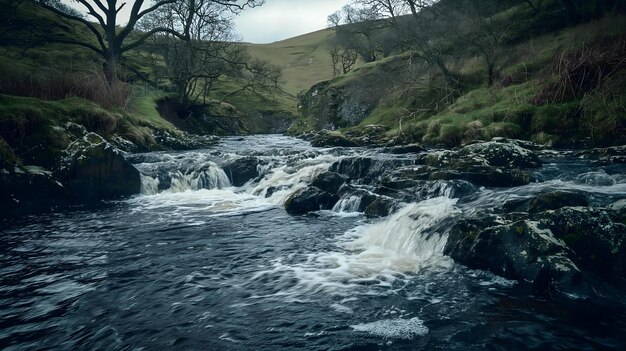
(275, 20)
(282, 19)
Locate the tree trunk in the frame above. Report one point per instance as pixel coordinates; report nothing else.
(490, 73)
(110, 69)
(450, 80)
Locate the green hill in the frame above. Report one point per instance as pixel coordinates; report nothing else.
(553, 83)
(304, 59)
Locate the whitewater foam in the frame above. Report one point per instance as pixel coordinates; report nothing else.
(394, 328)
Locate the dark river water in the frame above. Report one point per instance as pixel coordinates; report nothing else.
(195, 264)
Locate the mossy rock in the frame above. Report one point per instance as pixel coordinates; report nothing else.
(93, 169)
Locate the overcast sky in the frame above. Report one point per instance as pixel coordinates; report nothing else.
(282, 19)
(276, 19)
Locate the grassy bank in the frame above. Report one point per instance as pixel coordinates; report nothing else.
(564, 87)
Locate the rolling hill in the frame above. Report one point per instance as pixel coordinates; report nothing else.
(304, 59)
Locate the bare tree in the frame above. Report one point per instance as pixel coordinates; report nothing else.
(356, 28)
(113, 42)
(203, 51)
(483, 31)
(342, 59)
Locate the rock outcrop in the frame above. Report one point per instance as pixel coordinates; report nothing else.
(309, 199)
(94, 169)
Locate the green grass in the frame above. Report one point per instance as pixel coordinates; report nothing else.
(304, 59)
(143, 107)
(521, 104)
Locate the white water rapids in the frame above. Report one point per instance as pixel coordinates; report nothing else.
(196, 261)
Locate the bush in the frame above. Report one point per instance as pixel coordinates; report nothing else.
(603, 112)
(450, 134)
(503, 129)
(580, 71)
(557, 119)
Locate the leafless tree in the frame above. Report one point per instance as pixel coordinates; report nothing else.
(113, 41)
(203, 51)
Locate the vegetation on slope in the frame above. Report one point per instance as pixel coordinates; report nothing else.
(553, 86)
(50, 83)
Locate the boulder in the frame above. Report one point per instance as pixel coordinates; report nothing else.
(93, 169)
(330, 181)
(547, 201)
(404, 149)
(242, 170)
(310, 199)
(366, 169)
(595, 235)
(29, 189)
(605, 156)
(520, 250)
(479, 175)
(500, 154)
(327, 138)
(382, 206)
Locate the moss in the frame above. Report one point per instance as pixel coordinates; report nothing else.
(471, 234)
(8, 159)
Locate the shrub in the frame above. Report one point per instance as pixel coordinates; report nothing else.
(603, 112)
(581, 71)
(557, 119)
(450, 134)
(503, 129)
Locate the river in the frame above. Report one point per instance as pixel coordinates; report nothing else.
(197, 264)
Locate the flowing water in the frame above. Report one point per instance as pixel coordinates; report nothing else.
(196, 264)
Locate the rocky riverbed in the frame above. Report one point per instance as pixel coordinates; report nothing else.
(450, 234)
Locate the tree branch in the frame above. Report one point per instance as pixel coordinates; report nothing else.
(89, 25)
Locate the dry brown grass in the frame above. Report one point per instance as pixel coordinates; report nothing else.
(579, 72)
(56, 84)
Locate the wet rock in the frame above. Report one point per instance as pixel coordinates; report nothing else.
(605, 156)
(367, 197)
(183, 140)
(547, 201)
(26, 190)
(94, 169)
(500, 154)
(382, 206)
(365, 169)
(490, 164)
(242, 170)
(487, 154)
(520, 250)
(330, 181)
(327, 138)
(370, 135)
(521, 143)
(619, 207)
(479, 175)
(310, 199)
(596, 237)
(404, 149)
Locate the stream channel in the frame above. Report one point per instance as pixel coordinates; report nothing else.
(194, 263)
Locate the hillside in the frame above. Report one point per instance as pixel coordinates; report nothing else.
(304, 59)
(560, 85)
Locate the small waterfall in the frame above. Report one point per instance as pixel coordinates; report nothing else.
(149, 185)
(416, 231)
(349, 204)
(278, 184)
(209, 176)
